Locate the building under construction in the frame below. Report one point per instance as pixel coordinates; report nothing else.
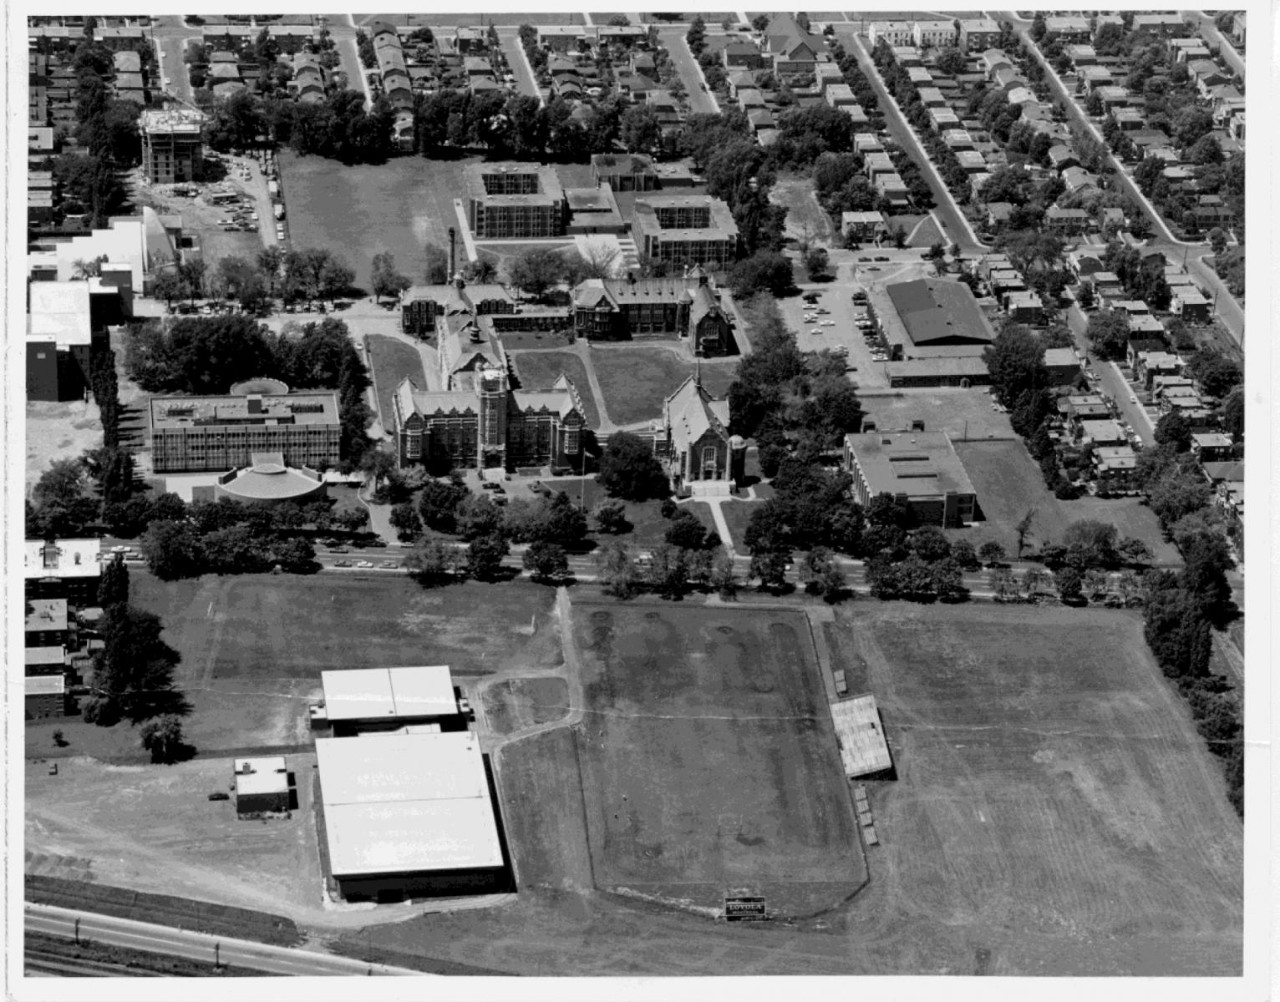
(171, 145)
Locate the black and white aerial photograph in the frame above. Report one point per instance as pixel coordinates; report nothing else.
(692, 499)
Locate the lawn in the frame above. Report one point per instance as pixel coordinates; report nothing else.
(648, 527)
(1051, 788)
(289, 627)
(709, 760)
(364, 209)
(525, 702)
(636, 380)
(1009, 484)
(736, 515)
(539, 369)
(392, 361)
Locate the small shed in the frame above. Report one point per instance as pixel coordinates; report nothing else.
(262, 784)
(860, 734)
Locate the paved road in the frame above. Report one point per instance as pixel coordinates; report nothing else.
(1111, 383)
(953, 220)
(700, 101)
(519, 63)
(1205, 25)
(198, 946)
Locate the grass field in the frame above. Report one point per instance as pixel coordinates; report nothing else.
(288, 627)
(1052, 787)
(392, 361)
(1008, 484)
(647, 524)
(539, 369)
(365, 209)
(525, 702)
(709, 760)
(736, 515)
(635, 380)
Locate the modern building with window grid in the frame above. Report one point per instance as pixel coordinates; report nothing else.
(685, 229)
(514, 201)
(189, 434)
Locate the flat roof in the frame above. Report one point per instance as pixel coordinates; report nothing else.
(261, 775)
(46, 614)
(59, 311)
(914, 463)
(46, 685)
(44, 655)
(389, 693)
(318, 407)
(404, 803)
(62, 558)
(860, 734)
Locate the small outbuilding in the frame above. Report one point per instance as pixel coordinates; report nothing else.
(262, 785)
(860, 734)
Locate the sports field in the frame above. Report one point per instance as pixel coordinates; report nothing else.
(1049, 788)
(392, 361)
(291, 627)
(365, 209)
(709, 762)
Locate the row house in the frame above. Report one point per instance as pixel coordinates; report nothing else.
(894, 33)
(934, 34)
(992, 61)
(1148, 365)
(1162, 24)
(742, 55)
(1082, 55)
(906, 56)
(1025, 307)
(1073, 28)
(979, 33)
(1212, 447)
(1066, 221)
(1191, 306)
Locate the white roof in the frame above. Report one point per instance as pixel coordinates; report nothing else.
(863, 748)
(388, 693)
(70, 558)
(46, 685)
(405, 803)
(261, 775)
(59, 312)
(44, 655)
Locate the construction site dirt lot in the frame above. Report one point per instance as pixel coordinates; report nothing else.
(277, 627)
(153, 828)
(709, 761)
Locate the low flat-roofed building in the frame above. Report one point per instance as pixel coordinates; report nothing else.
(963, 371)
(1211, 446)
(46, 696)
(262, 785)
(379, 699)
(46, 623)
(934, 314)
(1063, 365)
(1103, 433)
(917, 467)
(49, 660)
(408, 815)
(864, 750)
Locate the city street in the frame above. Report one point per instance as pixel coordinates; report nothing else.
(1112, 383)
(519, 62)
(953, 220)
(1210, 33)
(700, 101)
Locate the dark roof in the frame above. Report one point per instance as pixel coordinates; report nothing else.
(935, 312)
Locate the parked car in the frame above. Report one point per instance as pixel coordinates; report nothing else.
(364, 563)
(389, 564)
(219, 795)
(342, 563)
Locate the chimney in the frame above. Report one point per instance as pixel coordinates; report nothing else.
(453, 259)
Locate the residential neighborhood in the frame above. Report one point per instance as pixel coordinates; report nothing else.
(522, 494)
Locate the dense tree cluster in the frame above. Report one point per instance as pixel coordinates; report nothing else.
(629, 469)
(133, 674)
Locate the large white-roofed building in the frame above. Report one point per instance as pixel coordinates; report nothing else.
(409, 815)
(379, 699)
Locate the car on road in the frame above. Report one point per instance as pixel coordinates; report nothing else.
(342, 563)
(882, 259)
(538, 487)
(364, 563)
(1132, 399)
(827, 323)
(390, 564)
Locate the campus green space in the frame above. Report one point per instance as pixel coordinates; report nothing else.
(635, 380)
(539, 369)
(392, 362)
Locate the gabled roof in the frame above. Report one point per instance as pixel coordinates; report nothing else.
(690, 412)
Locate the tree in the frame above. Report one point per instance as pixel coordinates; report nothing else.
(1177, 632)
(1133, 551)
(173, 550)
(816, 261)
(821, 575)
(616, 570)
(724, 577)
(686, 532)
(1094, 542)
(1023, 528)
(1232, 414)
(1004, 586)
(1216, 374)
(1217, 240)
(1207, 559)
(163, 739)
(1175, 430)
(113, 588)
(385, 279)
(765, 270)
(1108, 333)
(640, 129)
(477, 516)
(1069, 585)
(611, 517)
(439, 501)
(951, 61)
(1015, 360)
(962, 552)
(536, 270)
(770, 567)
(546, 561)
(929, 544)
(696, 37)
(991, 553)
(431, 560)
(484, 556)
(292, 554)
(169, 286)
(134, 671)
(233, 550)
(406, 521)
(628, 469)
(436, 261)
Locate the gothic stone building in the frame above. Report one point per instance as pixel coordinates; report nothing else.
(617, 309)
